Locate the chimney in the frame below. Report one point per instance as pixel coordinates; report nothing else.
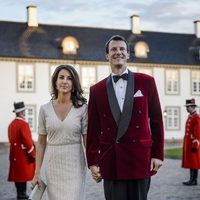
(197, 28)
(32, 16)
(135, 24)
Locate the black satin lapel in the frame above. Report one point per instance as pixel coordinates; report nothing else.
(114, 106)
(127, 108)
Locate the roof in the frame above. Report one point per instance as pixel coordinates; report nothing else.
(19, 40)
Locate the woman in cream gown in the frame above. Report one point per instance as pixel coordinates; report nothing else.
(61, 127)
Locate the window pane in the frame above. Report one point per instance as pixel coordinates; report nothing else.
(169, 86)
(195, 82)
(173, 117)
(195, 87)
(172, 82)
(170, 122)
(175, 86)
(30, 116)
(25, 74)
(175, 122)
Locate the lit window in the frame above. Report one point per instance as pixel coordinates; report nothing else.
(70, 45)
(196, 82)
(141, 49)
(172, 81)
(88, 78)
(30, 116)
(25, 78)
(172, 118)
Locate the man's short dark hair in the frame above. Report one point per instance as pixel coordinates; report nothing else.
(116, 38)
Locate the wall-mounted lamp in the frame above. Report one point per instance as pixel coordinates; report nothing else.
(165, 113)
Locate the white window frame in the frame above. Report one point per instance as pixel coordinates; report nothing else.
(25, 77)
(174, 81)
(171, 119)
(195, 81)
(31, 116)
(145, 70)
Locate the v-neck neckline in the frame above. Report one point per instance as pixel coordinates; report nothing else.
(57, 115)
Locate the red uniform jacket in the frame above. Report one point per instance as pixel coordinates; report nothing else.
(21, 149)
(191, 159)
(122, 144)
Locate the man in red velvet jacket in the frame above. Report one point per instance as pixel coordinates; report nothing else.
(125, 128)
(22, 151)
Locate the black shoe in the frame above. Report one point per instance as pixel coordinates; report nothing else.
(22, 196)
(190, 182)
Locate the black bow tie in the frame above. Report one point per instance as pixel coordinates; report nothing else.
(117, 77)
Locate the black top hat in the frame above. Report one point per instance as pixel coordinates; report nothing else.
(19, 106)
(190, 102)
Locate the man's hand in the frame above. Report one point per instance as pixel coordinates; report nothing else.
(95, 171)
(155, 164)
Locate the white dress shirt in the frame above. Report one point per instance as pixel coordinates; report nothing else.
(120, 89)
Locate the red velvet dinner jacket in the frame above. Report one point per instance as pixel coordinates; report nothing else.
(127, 157)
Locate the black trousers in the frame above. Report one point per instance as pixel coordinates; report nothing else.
(126, 189)
(21, 188)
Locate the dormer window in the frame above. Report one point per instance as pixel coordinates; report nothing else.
(141, 49)
(70, 45)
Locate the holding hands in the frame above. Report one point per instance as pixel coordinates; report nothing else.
(96, 174)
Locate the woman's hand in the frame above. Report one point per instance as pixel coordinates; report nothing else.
(36, 181)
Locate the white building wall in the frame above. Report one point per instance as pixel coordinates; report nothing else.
(8, 91)
(175, 100)
(159, 75)
(185, 88)
(42, 93)
(9, 94)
